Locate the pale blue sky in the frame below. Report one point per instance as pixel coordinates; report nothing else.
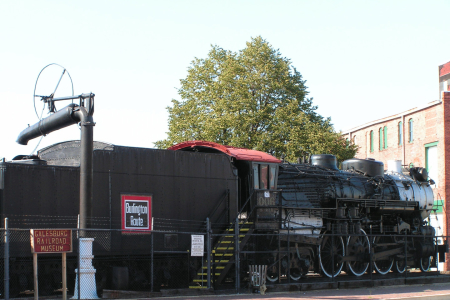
(362, 60)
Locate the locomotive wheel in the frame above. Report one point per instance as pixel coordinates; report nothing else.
(272, 276)
(295, 274)
(358, 246)
(272, 269)
(399, 266)
(425, 264)
(331, 251)
(382, 266)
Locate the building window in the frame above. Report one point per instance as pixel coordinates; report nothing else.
(371, 141)
(410, 130)
(385, 137)
(400, 133)
(381, 138)
(354, 140)
(432, 162)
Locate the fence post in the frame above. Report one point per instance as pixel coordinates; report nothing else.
(406, 253)
(236, 248)
(208, 250)
(332, 255)
(371, 252)
(80, 234)
(151, 263)
(288, 254)
(6, 257)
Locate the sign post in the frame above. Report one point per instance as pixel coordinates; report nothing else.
(50, 241)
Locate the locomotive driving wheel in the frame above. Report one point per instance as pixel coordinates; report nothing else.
(425, 264)
(331, 251)
(358, 246)
(400, 266)
(380, 244)
(400, 263)
(272, 268)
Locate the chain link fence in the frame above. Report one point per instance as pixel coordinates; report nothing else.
(107, 261)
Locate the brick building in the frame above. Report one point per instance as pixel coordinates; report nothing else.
(417, 137)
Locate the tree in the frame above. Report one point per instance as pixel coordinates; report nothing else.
(252, 99)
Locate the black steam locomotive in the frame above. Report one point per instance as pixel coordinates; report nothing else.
(325, 218)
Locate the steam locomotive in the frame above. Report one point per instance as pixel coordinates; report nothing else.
(327, 220)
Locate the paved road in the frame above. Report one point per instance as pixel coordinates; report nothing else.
(414, 292)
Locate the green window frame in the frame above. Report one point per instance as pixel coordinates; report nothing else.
(410, 130)
(400, 133)
(371, 141)
(385, 137)
(381, 138)
(426, 153)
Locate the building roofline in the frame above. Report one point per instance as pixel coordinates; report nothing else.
(444, 69)
(393, 117)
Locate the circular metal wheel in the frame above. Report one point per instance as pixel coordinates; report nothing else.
(358, 246)
(272, 268)
(295, 274)
(379, 245)
(272, 277)
(54, 75)
(331, 251)
(399, 266)
(425, 264)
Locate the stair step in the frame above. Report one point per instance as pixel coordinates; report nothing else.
(217, 268)
(206, 274)
(200, 280)
(224, 254)
(232, 236)
(198, 287)
(224, 248)
(242, 229)
(227, 242)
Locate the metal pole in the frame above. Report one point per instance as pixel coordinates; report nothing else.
(86, 167)
(35, 275)
(279, 256)
(208, 249)
(214, 268)
(406, 253)
(236, 248)
(151, 265)
(332, 256)
(188, 268)
(371, 239)
(6, 257)
(288, 255)
(79, 267)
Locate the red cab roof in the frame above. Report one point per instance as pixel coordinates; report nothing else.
(237, 153)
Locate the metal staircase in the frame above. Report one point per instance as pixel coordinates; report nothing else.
(223, 255)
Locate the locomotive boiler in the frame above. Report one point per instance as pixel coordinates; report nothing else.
(307, 217)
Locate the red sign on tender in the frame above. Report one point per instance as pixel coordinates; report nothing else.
(51, 240)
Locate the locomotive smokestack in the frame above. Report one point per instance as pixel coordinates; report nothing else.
(62, 118)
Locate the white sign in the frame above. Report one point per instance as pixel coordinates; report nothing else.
(197, 245)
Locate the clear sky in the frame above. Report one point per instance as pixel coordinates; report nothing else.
(362, 60)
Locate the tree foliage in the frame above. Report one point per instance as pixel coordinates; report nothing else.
(253, 99)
